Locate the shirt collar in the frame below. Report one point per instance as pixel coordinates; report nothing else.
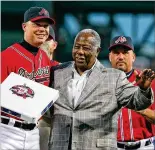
(29, 47)
(128, 74)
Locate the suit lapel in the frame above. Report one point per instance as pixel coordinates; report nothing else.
(66, 77)
(98, 73)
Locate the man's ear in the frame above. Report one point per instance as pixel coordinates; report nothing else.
(55, 44)
(98, 51)
(23, 26)
(134, 57)
(110, 57)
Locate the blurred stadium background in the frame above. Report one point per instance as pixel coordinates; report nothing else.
(109, 18)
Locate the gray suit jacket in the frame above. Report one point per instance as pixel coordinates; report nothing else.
(92, 123)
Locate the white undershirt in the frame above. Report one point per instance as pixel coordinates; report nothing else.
(77, 84)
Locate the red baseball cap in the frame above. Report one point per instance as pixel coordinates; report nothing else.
(37, 13)
(124, 41)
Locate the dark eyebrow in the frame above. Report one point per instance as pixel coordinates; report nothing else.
(77, 44)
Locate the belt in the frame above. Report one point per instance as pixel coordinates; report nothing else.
(25, 126)
(133, 145)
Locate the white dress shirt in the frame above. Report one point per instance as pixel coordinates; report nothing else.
(77, 84)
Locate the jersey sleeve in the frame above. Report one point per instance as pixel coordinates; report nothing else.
(4, 68)
(54, 63)
(6, 63)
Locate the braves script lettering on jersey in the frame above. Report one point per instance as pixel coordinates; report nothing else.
(133, 126)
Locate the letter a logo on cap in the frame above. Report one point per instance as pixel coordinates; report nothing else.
(43, 12)
(121, 39)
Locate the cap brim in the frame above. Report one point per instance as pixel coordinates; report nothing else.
(51, 37)
(50, 20)
(124, 45)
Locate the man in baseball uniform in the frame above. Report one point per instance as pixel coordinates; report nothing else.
(136, 129)
(28, 60)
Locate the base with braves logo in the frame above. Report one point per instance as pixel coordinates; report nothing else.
(20, 96)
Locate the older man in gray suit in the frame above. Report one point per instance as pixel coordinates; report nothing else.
(85, 115)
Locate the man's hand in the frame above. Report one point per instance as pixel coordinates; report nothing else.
(145, 78)
(148, 114)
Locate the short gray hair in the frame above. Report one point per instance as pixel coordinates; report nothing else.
(97, 39)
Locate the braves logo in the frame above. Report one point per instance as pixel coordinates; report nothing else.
(121, 39)
(43, 12)
(23, 91)
(42, 74)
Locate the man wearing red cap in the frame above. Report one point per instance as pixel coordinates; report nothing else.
(28, 60)
(136, 130)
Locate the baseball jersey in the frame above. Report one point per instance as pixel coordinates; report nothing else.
(133, 126)
(24, 62)
(54, 63)
(21, 61)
